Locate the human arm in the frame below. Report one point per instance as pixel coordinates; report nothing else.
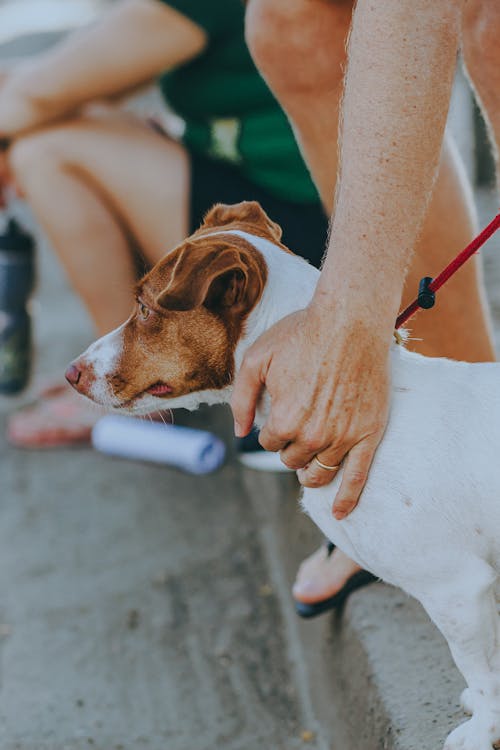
(128, 46)
(326, 368)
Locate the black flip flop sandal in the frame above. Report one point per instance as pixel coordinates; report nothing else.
(356, 581)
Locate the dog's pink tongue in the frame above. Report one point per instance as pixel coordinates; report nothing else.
(159, 389)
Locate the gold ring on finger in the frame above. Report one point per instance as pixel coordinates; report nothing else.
(324, 466)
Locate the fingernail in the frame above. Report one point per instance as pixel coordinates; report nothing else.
(237, 429)
(339, 514)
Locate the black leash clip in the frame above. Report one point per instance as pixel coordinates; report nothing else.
(426, 297)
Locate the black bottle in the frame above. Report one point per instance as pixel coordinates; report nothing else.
(16, 284)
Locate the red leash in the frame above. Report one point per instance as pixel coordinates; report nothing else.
(429, 286)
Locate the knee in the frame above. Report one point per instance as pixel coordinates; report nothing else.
(35, 152)
(265, 23)
(299, 45)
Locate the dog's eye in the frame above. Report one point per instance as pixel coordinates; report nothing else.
(143, 311)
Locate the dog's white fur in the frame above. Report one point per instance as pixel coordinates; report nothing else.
(429, 517)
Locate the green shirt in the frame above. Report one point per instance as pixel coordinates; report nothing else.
(230, 113)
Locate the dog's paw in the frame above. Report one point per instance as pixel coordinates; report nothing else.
(467, 701)
(476, 734)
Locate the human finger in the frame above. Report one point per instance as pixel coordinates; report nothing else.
(357, 466)
(302, 450)
(247, 390)
(320, 470)
(274, 434)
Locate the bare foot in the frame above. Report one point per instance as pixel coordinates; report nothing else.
(321, 575)
(59, 417)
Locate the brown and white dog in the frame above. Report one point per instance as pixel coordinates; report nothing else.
(429, 517)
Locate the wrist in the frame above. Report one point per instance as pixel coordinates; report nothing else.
(351, 296)
(362, 278)
(351, 319)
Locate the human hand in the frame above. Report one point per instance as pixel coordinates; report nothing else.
(22, 107)
(328, 380)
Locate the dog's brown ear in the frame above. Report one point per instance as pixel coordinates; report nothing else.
(246, 212)
(221, 278)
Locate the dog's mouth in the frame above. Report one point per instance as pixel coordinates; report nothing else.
(159, 389)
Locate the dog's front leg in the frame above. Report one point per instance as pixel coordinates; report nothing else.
(463, 606)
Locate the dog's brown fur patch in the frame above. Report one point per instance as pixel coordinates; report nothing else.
(247, 216)
(199, 297)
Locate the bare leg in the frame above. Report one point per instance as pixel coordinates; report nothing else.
(481, 26)
(100, 186)
(301, 53)
(459, 326)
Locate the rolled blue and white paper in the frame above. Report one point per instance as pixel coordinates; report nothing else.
(194, 451)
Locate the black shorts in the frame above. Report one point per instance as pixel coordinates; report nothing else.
(304, 225)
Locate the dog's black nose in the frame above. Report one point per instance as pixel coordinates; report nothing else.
(72, 375)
